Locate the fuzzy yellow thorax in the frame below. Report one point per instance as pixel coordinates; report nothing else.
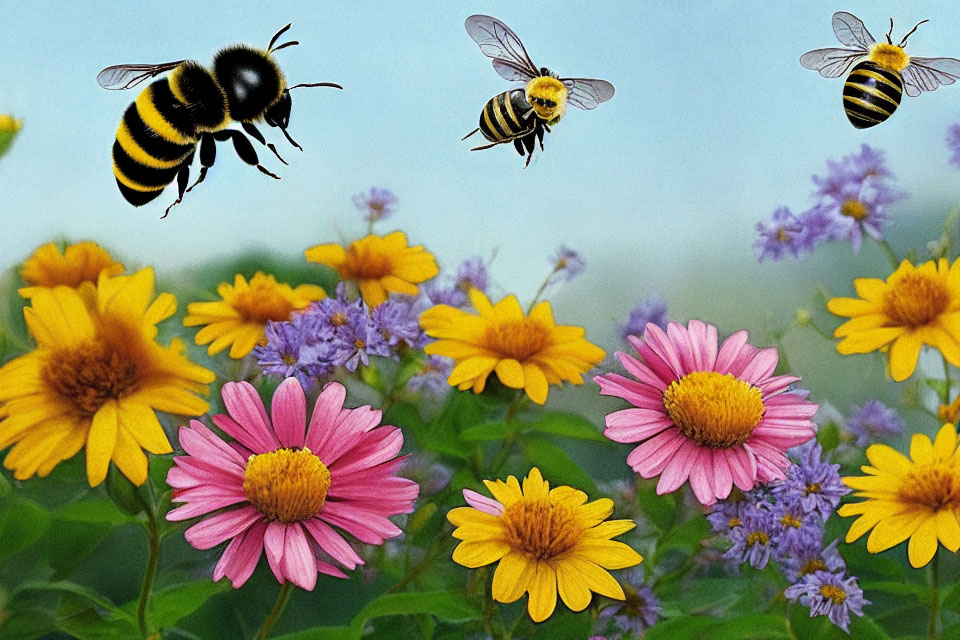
(548, 97)
(889, 56)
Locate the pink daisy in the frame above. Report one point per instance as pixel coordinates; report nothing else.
(716, 417)
(281, 487)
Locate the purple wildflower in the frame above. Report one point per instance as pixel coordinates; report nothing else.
(652, 309)
(829, 594)
(873, 422)
(953, 143)
(755, 540)
(810, 559)
(813, 483)
(799, 528)
(472, 274)
(640, 608)
(432, 378)
(360, 340)
(453, 296)
(292, 349)
(784, 234)
(378, 204)
(729, 514)
(817, 227)
(432, 476)
(397, 322)
(567, 263)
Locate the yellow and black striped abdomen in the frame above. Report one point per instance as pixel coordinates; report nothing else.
(506, 117)
(871, 94)
(159, 131)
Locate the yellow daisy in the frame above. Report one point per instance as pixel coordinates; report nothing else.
(96, 378)
(237, 321)
(526, 353)
(379, 265)
(916, 498)
(914, 306)
(9, 126)
(545, 540)
(79, 263)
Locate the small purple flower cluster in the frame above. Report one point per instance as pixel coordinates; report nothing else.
(953, 143)
(471, 274)
(653, 309)
(567, 264)
(337, 332)
(873, 422)
(639, 610)
(377, 205)
(851, 200)
(784, 522)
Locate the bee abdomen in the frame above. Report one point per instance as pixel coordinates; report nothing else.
(871, 94)
(505, 117)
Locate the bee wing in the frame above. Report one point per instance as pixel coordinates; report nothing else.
(851, 31)
(498, 41)
(926, 74)
(587, 93)
(127, 76)
(831, 63)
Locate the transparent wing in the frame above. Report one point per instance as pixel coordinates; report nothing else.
(497, 41)
(851, 31)
(127, 76)
(831, 63)
(587, 93)
(926, 74)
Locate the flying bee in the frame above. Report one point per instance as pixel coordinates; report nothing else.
(192, 106)
(873, 90)
(522, 115)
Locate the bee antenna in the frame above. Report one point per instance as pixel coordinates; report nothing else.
(277, 35)
(285, 45)
(904, 41)
(316, 84)
(890, 33)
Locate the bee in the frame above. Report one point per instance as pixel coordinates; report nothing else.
(193, 106)
(873, 90)
(521, 116)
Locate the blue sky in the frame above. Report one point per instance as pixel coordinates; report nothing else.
(714, 124)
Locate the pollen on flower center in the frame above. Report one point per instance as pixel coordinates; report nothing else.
(854, 209)
(789, 521)
(519, 339)
(757, 537)
(715, 409)
(817, 564)
(367, 265)
(286, 485)
(89, 374)
(834, 593)
(916, 300)
(262, 303)
(935, 486)
(541, 529)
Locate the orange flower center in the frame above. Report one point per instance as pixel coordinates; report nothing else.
(757, 537)
(812, 488)
(734, 523)
(834, 593)
(541, 529)
(366, 263)
(817, 564)
(935, 485)
(916, 300)
(854, 209)
(789, 521)
(518, 339)
(782, 235)
(89, 374)
(262, 302)
(286, 485)
(714, 409)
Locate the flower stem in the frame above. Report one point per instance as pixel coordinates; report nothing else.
(888, 250)
(934, 596)
(945, 399)
(540, 290)
(281, 603)
(153, 563)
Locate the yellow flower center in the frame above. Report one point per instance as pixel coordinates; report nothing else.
(812, 488)
(365, 262)
(854, 209)
(782, 235)
(89, 374)
(338, 319)
(757, 537)
(836, 594)
(789, 521)
(262, 302)
(518, 339)
(541, 529)
(817, 564)
(716, 410)
(286, 485)
(934, 485)
(288, 359)
(734, 523)
(916, 300)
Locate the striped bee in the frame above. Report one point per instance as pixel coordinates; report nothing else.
(875, 85)
(522, 115)
(192, 106)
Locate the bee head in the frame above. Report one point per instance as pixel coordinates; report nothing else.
(250, 79)
(278, 114)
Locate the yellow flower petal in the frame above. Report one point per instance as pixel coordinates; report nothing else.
(512, 577)
(923, 543)
(100, 443)
(477, 553)
(543, 592)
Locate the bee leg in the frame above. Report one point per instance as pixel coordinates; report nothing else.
(529, 157)
(486, 146)
(291, 140)
(244, 149)
(254, 133)
(208, 155)
(518, 143)
(470, 134)
(183, 177)
(540, 135)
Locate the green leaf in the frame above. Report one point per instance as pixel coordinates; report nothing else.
(920, 592)
(556, 466)
(563, 625)
(320, 633)
(123, 492)
(489, 432)
(866, 629)
(445, 605)
(93, 510)
(89, 625)
(685, 628)
(754, 626)
(169, 606)
(66, 552)
(23, 523)
(75, 589)
(940, 386)
(660, 510)
(687, 537)
(569, 425)
(28, 625)
(829, 436)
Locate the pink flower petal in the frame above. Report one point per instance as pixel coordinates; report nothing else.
(325, 414)
(256, 442)
(244, 405)
(636, 393)
(743, 467)
(241, 557)
(369, 449)
(191, 472)
(362, 524)
(760, 367)
(649, 458)
(299, 563)
(332, 543)
(274, 542)
(483, 503)
(661, 347)
(328, 569)
(204, 504)
(730, 351)
(345, 433)
(642, 372)
(722, 477)
(289, 413)
(634, 425)
(678, 469)
(700, 478)
(200, 443)
(208, 533)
